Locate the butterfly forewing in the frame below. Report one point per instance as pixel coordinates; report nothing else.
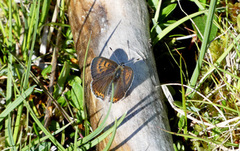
(101, 67)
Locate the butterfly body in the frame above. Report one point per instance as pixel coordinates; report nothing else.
(105, 72)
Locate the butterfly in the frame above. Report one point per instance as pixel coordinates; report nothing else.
(105, 72)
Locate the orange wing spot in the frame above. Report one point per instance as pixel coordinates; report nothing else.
(103, 66)
(128, 76)
(99, 94)
(107, 64)
(115, 99)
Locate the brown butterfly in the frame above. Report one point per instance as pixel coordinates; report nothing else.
(105, 72)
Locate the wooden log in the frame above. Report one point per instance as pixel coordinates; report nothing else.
(119, 30)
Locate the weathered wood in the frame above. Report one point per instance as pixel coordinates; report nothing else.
(122, 27)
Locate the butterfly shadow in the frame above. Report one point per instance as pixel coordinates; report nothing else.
(121, 57)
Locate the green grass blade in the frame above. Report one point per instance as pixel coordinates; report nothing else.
(174, 25)
(9, 80)
(15, 103)
(86, 125)
(9, 132)
(99, 129)
(31, 22)
(112, 138)
(218, 62)
(61, 80)
(103, 136)
(204, 46)
(36, 141)
(34, 21)
(75, 138)
(44, 9)
(45, 131)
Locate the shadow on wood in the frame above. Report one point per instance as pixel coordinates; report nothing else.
(119, 30)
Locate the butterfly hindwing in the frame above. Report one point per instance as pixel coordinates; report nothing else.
(127, 77)
(101, 85)
(123, 83)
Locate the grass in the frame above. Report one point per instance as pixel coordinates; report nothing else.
(205, 97)
(207, 102)
(30, 91)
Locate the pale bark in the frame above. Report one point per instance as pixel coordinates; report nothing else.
(123, 26)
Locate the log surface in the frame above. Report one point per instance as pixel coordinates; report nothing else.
(119, 30)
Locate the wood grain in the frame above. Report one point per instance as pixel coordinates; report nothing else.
(119, 30)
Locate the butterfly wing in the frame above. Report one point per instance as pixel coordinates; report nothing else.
(101, 67)
(102, 71)
(100, 86)
(123, 83)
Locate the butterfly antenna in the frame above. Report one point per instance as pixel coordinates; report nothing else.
(130, 61)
